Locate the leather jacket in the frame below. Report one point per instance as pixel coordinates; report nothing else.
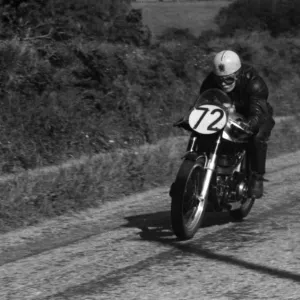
(250, 96)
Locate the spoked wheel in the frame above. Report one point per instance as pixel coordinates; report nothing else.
(191, 201)
(187, 211)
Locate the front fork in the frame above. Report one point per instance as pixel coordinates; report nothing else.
(210, 167)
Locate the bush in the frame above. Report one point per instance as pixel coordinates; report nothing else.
(177, 34)
(275, 16)
(129, 95)
(60, 19)
(58, 71)
(129, 29)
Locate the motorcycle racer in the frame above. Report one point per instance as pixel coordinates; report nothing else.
(249, 93)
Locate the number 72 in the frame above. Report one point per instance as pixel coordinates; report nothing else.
(210, 122)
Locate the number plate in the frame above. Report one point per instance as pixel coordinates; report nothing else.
(208, 119)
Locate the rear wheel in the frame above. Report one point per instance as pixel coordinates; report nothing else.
(247, 202)
(185, 193)
(244, 210)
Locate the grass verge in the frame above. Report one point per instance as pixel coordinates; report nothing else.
(32, 196)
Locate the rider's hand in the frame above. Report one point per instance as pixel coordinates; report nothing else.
(179, 122)
(246, 126)
(182, 123)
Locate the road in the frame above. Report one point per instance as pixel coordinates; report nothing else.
(126, 250)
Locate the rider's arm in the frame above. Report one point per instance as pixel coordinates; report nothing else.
(258, 109)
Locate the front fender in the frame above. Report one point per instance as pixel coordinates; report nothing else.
(193, 156)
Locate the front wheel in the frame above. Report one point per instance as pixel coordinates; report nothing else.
(185, 193)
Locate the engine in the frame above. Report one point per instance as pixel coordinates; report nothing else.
(231, 188)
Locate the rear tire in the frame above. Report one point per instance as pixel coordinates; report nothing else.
(184, 192)
(243, 211)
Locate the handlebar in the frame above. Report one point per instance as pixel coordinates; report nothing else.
(240, 124)
(183, 123)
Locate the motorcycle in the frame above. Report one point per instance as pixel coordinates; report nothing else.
(215, 174)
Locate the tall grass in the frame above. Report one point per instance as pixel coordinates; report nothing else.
(34, 195)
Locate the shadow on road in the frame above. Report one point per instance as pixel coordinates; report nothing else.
(156, 227)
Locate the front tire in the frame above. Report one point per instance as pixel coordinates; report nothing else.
(184, 193)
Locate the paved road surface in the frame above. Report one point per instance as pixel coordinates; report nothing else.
(126, 250)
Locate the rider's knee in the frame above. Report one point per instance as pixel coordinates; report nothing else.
(264, 132)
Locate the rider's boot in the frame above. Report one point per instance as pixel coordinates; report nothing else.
(258, 166)
(257, 186)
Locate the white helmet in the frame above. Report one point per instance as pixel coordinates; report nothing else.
(226, 63)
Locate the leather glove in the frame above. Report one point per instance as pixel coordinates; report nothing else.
(182, 123)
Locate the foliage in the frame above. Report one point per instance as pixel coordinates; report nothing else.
(130, 29)
(276, 16)
(57, 71)
(176, 34)
(86, 94)
(49, 91)
(58, 19)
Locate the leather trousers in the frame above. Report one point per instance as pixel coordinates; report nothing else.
(258, 146)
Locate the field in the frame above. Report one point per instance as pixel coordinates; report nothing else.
(196, 16)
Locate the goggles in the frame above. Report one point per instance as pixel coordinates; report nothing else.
(228, 80)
